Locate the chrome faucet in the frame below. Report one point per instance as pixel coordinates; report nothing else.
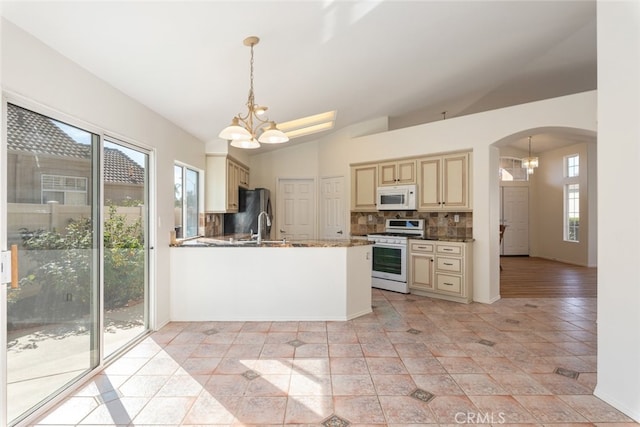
(268, 220)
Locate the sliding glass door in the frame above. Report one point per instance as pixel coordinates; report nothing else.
(125, 256)
(82, 287)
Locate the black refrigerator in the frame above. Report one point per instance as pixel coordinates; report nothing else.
(250, 204)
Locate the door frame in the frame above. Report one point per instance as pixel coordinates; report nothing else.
(277, 217)
(321, 202)
(7, 97)
(515, 184)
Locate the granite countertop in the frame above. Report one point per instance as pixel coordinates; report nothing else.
(434, 239)
(445, 239)
(242, 240)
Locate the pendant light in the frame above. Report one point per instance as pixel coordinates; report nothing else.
(530, 163)
(249, 130)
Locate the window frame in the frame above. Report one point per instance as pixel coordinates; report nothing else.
(514, 161)
(44, 178)
(571, 198)
(188, 215)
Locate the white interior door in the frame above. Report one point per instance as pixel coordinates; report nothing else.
(515, 215)
(296, 209)
(332, 211)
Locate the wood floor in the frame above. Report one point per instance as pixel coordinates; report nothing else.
(525, 277)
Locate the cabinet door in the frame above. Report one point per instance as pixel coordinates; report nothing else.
(429, 183)
(232, 187)
(363, 187)
(243, 177)
(406, 172)
(421, 271)
(396, 173)
(456, 181)
(387, 173)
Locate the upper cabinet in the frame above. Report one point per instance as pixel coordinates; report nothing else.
(363, 187)
(224, 177)
(443, 182)
(397, 172)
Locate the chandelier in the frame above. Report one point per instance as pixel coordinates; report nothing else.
(529, 163)
(249, 130)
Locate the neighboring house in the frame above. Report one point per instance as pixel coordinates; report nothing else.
(47, 165)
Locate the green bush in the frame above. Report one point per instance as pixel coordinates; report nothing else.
(60, 269)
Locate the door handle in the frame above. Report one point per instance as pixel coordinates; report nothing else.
(339, 232)
(14, 266)
(282, 231)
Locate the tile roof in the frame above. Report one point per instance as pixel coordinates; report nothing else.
(37, 134)
(118, 167)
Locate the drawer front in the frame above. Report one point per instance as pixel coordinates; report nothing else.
(421, 247)
(449, 264)
(449, 249)
(451, 284)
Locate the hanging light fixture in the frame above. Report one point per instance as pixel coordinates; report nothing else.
(241, 132)
(530, 163)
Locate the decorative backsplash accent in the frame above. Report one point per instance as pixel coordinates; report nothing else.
(438, 224)
(213, 224)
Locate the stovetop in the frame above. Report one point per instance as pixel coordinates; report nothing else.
(394, 234)
(402, 229)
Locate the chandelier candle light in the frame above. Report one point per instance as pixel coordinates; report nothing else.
(241, 132)
(530, 163)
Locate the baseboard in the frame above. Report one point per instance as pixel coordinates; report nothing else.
(633, 413)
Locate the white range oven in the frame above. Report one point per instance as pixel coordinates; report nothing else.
(390, 253)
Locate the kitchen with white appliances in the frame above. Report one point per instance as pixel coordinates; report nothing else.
(68, 86)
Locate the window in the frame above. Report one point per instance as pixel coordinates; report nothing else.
(511, 169)
(572, 166)
(186, 207)
(66, 190)
(572, 198)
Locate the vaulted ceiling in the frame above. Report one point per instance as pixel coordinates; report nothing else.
(409, 60)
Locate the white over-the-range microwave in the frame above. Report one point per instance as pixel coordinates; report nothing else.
(397, 198)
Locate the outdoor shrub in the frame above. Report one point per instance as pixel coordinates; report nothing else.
(57, 285)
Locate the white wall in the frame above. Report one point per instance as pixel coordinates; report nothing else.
(618, 205)
(477, 132)
(34, 73)
(547, 208)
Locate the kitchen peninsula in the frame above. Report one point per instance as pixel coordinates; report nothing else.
(278, 281)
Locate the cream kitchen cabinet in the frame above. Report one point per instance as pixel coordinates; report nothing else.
(443, 182)
(363, 187)
(224, 176)
(441, 270)
(397, 172)
(421, 265)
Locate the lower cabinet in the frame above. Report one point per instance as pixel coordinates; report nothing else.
(421, 262)
(441, 270)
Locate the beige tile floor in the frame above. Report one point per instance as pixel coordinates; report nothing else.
(413, 361)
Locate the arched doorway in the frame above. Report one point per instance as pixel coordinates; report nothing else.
(560, 208)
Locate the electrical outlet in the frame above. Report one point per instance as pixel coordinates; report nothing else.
(456, 218)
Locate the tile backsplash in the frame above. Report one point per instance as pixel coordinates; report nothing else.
(213, 224)
(437, 224)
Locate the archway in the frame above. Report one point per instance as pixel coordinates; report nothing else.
(553, 232)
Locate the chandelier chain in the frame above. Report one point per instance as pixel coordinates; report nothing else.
(251, 96)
